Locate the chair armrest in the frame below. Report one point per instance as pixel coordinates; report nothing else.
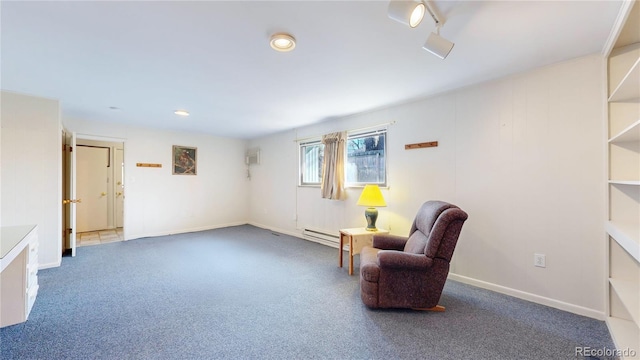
(401, 260)
(389, 242)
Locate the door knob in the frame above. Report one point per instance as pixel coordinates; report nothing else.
(103, 194)
(118, 194)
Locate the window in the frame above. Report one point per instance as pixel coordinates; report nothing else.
(311, 156)
(365, 164)
(366, 160)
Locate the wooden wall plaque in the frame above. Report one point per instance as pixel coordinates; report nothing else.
(421, 145)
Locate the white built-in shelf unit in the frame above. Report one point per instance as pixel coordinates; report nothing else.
(623, 150)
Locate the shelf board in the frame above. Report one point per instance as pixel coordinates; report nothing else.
(625, 182)
(631, 133)
(625, 333)
(627, 291)
(629, 87)
(626, 236)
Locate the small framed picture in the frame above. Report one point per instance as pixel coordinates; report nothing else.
(185, 160)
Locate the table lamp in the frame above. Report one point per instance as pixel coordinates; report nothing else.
(371, 196)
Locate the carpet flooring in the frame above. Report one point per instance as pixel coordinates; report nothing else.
(247, 293)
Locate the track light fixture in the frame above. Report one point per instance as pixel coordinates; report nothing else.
(409, 13)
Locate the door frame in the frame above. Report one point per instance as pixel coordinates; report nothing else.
(69, 199)
(118, 187)
(64, 170)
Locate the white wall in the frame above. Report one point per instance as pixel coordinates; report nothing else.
(159, 203)
(522, 155)
(273, 182)
(31, 174)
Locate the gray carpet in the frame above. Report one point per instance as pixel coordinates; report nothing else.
(246, 293)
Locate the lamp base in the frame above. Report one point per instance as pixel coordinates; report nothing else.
(371, 214)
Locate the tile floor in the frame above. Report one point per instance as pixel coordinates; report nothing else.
(100, 237)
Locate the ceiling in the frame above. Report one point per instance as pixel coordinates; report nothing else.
(212, 58)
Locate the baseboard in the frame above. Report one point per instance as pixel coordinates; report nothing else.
(183, 231)
(271, 228)
(576, 309)
(49, 265)
(262, 226)
(320, 241)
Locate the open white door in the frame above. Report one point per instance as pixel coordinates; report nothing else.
(71, 200)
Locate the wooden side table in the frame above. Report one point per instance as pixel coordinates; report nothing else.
(358, 238)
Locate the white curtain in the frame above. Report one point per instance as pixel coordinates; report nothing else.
(332, 186)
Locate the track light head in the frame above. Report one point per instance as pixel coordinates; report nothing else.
(437, 45)
(409, 13)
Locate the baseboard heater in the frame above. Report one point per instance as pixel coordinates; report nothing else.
(321, 237)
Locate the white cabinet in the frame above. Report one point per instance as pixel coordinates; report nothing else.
(623, 225)
(18, 273)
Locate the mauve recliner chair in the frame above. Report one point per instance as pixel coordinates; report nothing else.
(399, 272)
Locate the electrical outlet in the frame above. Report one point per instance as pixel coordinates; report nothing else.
(539, 260)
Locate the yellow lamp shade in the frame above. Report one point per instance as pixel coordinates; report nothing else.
(371, 196)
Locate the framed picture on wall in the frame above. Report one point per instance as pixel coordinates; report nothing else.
(185, 160)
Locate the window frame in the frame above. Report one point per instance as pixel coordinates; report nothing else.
(301, 162)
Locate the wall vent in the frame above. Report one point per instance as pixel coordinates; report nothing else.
(252, 157)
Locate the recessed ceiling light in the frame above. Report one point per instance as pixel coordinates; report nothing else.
(181, 112)
(282, 42)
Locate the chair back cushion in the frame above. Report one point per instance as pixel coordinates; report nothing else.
(444, 235)
(435, 230)
(427, 216)
(416, 243)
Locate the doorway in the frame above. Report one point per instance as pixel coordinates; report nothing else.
(100, 191)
